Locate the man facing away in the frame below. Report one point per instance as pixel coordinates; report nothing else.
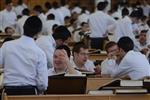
(25, 65)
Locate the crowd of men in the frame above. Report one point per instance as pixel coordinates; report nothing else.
(42, 49)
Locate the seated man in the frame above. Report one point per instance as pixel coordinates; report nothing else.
(61, 62)
(111, 61)
(80, 58)
(133, 64)
(25, 65)
(142, 44)
(49, 42)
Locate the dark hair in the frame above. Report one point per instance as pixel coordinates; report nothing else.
(125, 43)
(8, 2)
(7, 29)
(101, 5)
(38, 8)
(83, 23)
(32, 26)
(61, 32)
(125, 11)
(77, 46)
(48, 5)
(54, 27)
(109, 45)
(20, 2)
(143, 31)
(66, 48)
(51, 17)
(55, 5)
(136, 14)
(26, 12)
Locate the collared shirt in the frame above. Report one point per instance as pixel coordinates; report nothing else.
(47, 44)
(124, 28)
(7, 18)
(107, 66)
(49, 25)
(52, 72)
(99, 22)
(89, 65)
(134, 64)
(24, 63)
(20, 24)
(139, 46)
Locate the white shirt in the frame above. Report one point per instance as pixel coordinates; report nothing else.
(7, 19)
(47, 44)
(139, 47)
(77, 10)
(134, 64)
(43, 19)
(20, 24)
(49, 25)
(52, 72)
(89, 65)
(99, 22)
(58, 15)
(124, 28)
(83, 18)
(24, 63)
(18, 9)
(107, 66)
(65, 11)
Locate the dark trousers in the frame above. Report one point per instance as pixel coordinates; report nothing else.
(20, 90)
(98, 43)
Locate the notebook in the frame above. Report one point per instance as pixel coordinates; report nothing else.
(66, 85)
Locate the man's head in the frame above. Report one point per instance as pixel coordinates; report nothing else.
(8, 5)
(125, 12)
(143, 37)
(37, 9)
(57, 60)
(125, 44)
(85, 27)
(135, 16)
(51, 17)
(102, 5)
(9, 30)
(61, 35)
(112, 48)
(80, 53)
(32, 26)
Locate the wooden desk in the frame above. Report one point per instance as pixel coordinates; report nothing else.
(95, 57)
(95, 83)
(80, 97)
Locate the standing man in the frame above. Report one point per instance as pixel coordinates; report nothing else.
(25, 65)
(7, 16)
(99, 22)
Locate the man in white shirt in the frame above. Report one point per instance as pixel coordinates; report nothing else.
(25, 65)
(133, 64)
(7, 16)
(142, 44)
(49, 42)
(49, 23)
(62, 63)
(99, 23)
(19, 8)
(21, 21)
(124, 26)
(80, 58)
(111, 61)
(38, 10)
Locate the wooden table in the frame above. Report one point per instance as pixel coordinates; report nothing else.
(80, 97)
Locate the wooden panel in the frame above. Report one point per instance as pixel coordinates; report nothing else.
(80, 97)
(94, 57)
(95, 83)
(131, 97)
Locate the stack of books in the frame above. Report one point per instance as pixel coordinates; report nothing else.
(119, 86)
